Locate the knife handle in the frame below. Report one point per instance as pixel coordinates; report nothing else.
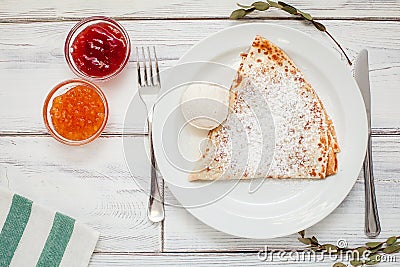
(372, 224)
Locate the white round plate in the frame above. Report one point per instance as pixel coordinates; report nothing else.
(279, 207)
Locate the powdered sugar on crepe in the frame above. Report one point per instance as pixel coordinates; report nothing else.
(303, 139)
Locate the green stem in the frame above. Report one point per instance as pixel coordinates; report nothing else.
(294, 11)
(340, 47)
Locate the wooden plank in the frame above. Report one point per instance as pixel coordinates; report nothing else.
(32, 62)
(90, 183)
(93, 184)
(45, 10)
(218, 259)
(183, 232)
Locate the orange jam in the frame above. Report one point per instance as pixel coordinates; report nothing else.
(78, 114)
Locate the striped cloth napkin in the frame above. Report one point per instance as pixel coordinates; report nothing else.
(31, 235)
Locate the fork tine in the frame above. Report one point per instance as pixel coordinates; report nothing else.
(157, 68)
(145, 67)
(139, 76)
(151, 67)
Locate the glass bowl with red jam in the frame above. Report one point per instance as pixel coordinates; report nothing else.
(97, 48)
(75, 112)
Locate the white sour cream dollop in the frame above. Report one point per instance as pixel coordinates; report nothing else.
(205, 106)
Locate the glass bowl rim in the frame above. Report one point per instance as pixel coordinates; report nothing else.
(47, 119)
(69, 41)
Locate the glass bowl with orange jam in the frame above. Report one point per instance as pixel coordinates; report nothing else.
(75, 112)
(97, 48)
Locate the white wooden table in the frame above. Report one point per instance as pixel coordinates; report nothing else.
(92, 183)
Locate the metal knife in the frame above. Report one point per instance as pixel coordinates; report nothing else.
(361, 74)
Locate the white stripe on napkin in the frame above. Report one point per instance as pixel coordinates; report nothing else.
(79, 249)
(34, 237)
(5, 204)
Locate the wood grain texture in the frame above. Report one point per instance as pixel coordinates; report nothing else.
(136, 9)
(186, 233)
(215, 259)
(32, 61)
(91, 184)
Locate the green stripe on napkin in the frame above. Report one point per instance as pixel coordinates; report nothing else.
(13, 228)
(31, 235)
(57, 241)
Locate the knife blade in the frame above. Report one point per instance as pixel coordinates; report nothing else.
(361, 75)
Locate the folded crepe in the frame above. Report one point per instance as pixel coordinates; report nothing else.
(304, 139)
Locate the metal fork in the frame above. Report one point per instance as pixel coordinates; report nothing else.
(149, 87)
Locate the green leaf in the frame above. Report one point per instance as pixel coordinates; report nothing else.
(283, 3)
(356, 263)
(305, 15)
(274, 4)
(339, 264)
(288, 8)
(238, 14)
(391, 249)
(261, 6)
(359, 252)
(306, 241)
(302, 233)
(374, 259)
(243, 6)
(314, 240)
(319, 26)
(376, 249)
(373, 244)
(391, 240)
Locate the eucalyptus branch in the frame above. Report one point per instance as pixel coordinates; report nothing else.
(263, 6)
(375, 249)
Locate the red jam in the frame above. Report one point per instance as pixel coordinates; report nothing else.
(78, 114)
(99, 50)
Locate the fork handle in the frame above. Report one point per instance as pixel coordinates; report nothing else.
(155, 210)
(372, 224)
